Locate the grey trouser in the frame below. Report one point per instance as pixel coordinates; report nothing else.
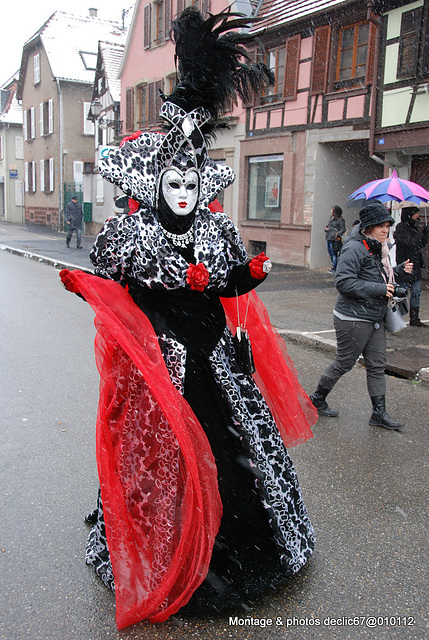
(355, 338)
(78, 236)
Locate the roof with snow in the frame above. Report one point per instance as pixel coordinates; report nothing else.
(71, 44)
(277, 13)
(11, 112)
(111, 54)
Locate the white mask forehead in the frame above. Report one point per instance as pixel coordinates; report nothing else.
(180, 190)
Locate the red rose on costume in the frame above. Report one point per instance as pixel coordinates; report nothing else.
(133, 136)
(197, 276)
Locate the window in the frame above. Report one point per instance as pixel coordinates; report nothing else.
(202, 5)
(29, 124)
(30, 176)
(88, 125)
(265, 175)
(352, 56)
(47, 175)
(89, 60)
(46, 117)
(36, 68)
(409, 43)
(1, 148)
(159, 22)
(275, 60)
(149, 103)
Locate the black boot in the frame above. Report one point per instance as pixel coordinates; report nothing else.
(380, 417)
(319, 400)
(414, 317)
(92, 517)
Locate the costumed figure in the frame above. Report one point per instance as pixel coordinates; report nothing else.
(200, 505)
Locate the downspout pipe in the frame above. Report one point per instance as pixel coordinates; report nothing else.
(374, 88)
(60, 189)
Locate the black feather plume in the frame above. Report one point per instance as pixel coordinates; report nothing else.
(212, 62)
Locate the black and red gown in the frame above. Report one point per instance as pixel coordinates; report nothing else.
(200, 505)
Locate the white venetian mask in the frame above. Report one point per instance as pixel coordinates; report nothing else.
(180, 190)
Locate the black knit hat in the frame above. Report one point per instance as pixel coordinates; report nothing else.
(374, 213)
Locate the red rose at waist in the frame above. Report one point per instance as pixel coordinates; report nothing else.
(197, 276)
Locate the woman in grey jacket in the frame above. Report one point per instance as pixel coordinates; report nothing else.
(365, 281)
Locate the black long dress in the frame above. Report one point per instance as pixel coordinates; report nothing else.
(265, 534)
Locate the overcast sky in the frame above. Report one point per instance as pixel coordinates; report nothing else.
(22, 18)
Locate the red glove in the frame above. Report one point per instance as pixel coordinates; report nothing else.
(68, 282)
(257, 264)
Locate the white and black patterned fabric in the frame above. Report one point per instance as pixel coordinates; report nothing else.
(265, 533)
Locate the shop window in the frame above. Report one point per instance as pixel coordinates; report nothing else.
(264, 199)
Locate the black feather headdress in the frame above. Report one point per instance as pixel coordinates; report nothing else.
(212, 62)
(213, 69)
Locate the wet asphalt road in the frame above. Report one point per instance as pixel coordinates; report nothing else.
(365, 489)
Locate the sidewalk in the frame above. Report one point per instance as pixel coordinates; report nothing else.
(299, 301)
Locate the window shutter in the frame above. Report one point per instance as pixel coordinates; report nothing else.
(19, 147)
(147, 26)
(180, 6)
(369, 78)
(51, 115)
(32, 123)
(293, 46)
(321, 47)
(24, 122)
(51, 174)
(33, 176)
(409, 43)
(26, 175)
(167, 19)
(158, 99)
(129, 110)
(151, 118)
(42, 175)
(41, 123)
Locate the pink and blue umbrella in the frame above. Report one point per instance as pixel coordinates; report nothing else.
(391, 188)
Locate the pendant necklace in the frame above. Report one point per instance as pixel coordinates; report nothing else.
(180, 240)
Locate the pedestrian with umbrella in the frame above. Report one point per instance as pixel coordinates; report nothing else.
(410, 240)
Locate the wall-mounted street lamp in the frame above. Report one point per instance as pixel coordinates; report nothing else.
(95, 112)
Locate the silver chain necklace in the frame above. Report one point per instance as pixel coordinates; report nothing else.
(180, 240)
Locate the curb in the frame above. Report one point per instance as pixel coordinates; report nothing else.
(58, 264)
(301, 338)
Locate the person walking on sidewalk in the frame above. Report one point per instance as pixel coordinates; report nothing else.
(410, 240)
(334, 231)
(365, 281)
(74, 217)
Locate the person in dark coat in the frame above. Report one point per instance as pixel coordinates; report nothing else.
(334, 231)
(410, 240)
(74, 217)
(365, 281)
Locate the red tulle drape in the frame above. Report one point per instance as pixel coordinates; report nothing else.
(275, 375)
(157, 474)
(147, 585)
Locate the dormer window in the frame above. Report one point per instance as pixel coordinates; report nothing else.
(89, 60)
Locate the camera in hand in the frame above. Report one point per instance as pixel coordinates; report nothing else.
(400, 292)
